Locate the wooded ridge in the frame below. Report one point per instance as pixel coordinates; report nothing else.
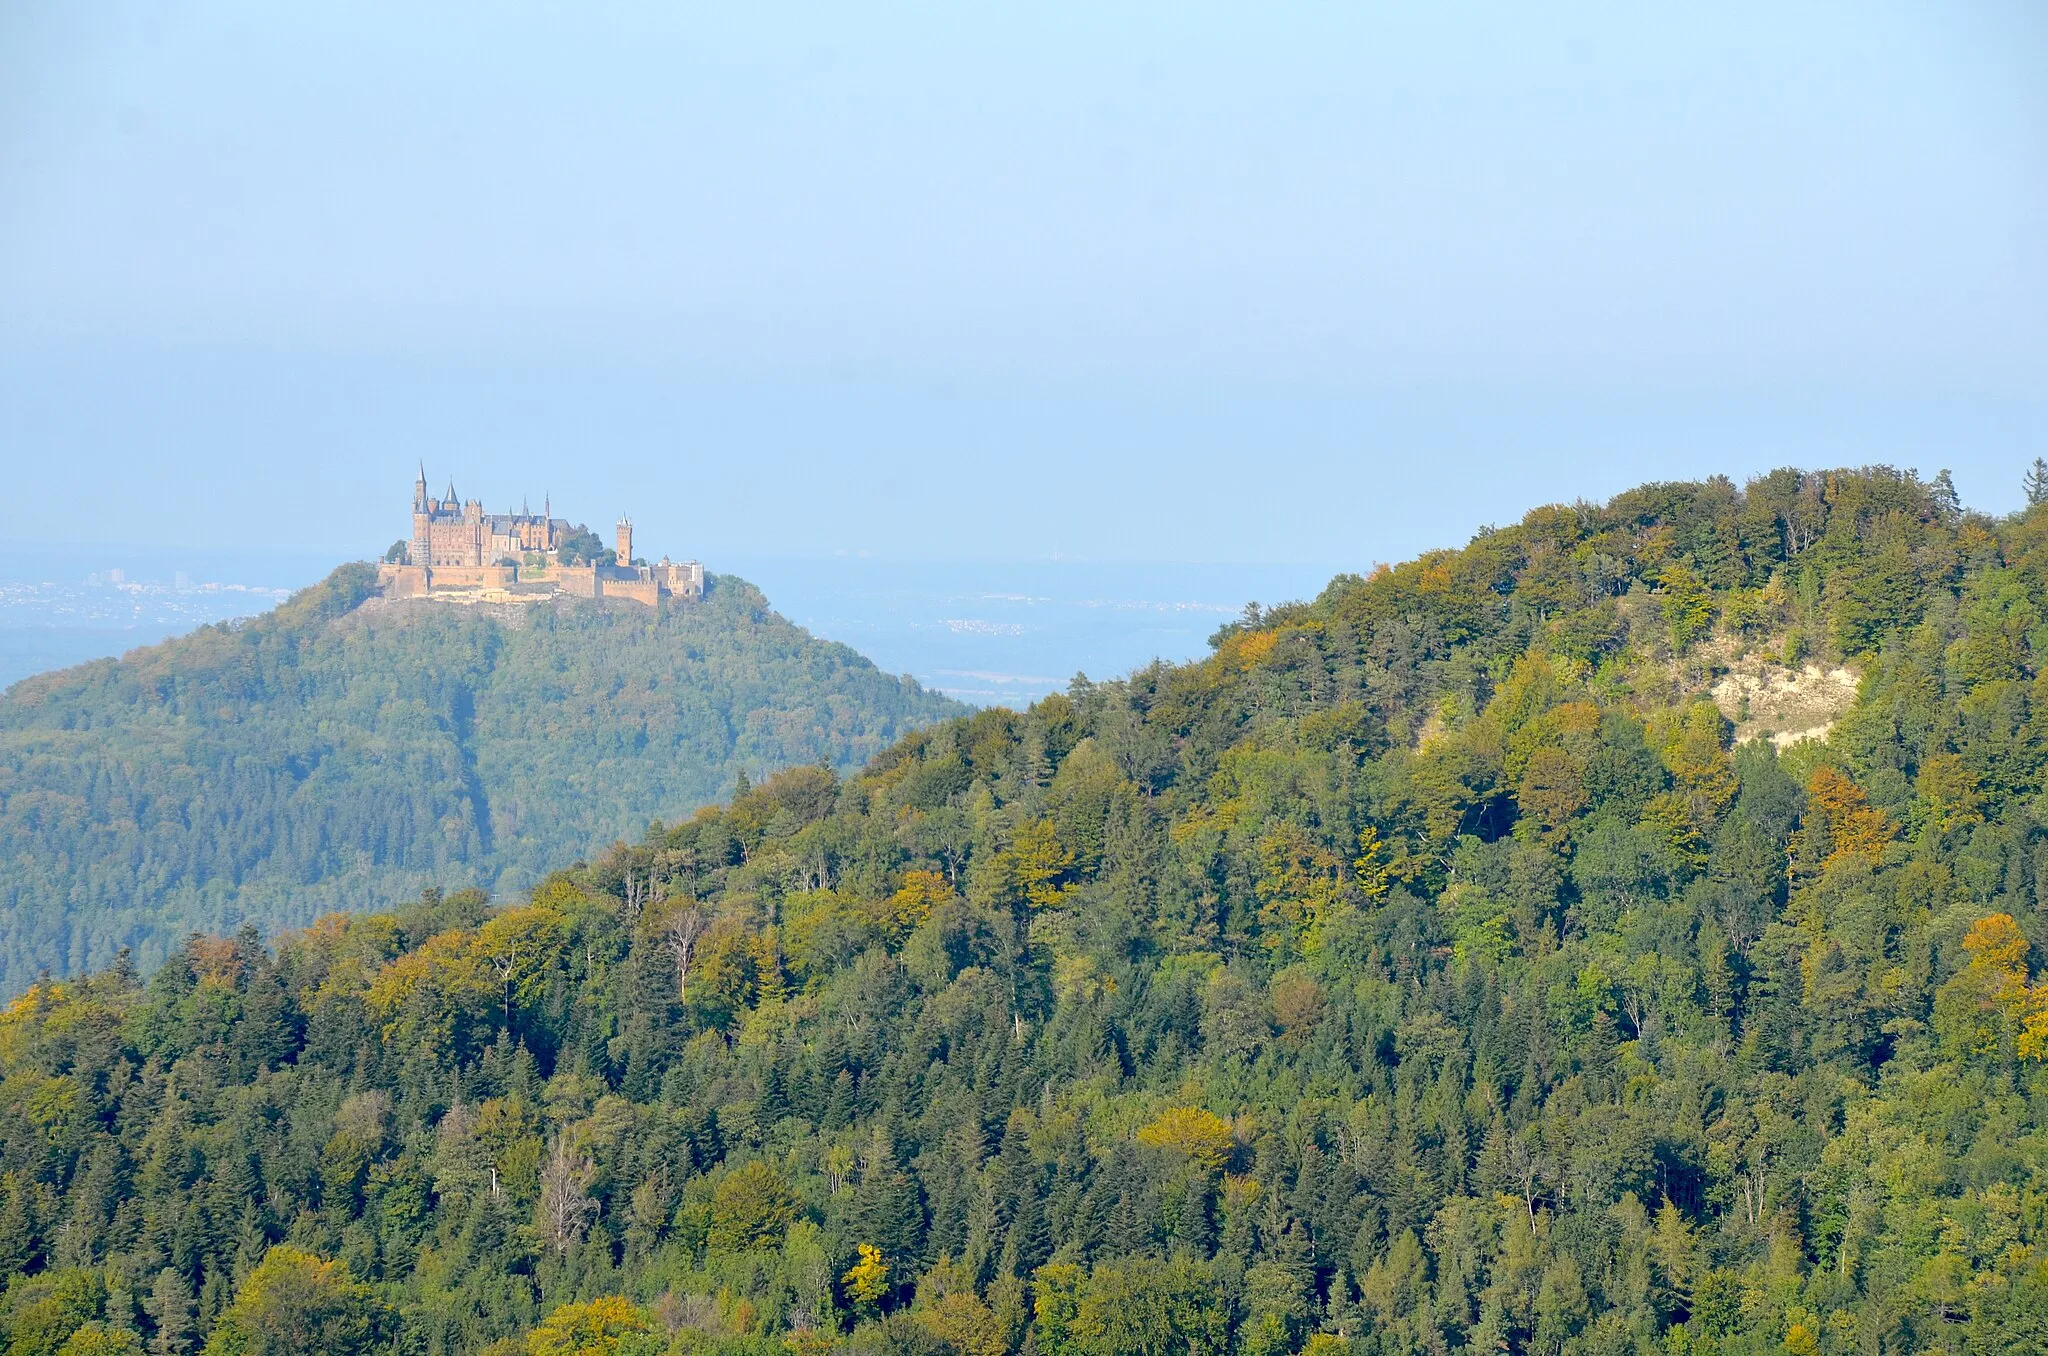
(344, 751)
(1426, 969)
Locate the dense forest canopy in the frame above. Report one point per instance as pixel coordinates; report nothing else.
(342, 752)
(1427, 969)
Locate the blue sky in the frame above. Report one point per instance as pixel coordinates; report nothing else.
(1308, 283)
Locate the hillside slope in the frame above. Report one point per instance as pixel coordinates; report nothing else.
(1429, 969)
(343, 750)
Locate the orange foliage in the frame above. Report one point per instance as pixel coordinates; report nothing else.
(214, 959)
(1854, 828)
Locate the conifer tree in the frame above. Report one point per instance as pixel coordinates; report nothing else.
(170, 1308)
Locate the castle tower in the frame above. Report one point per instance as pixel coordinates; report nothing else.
(422, 518)
(625, 541)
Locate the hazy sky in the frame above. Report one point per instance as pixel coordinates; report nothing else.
(1319, 283)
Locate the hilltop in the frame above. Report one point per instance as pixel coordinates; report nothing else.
(345, 749)
(1476, 957)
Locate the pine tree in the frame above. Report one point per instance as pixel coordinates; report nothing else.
(1195, 1226)
(774, 1101)
(17, 1227)
(1947, 502)
(2036, 483)
(170, 1307)
(1030, 1242)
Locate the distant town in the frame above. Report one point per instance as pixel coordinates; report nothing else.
(52, 624)
(181, 582)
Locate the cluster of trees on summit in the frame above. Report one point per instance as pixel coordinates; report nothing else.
(330, 755)
(1427, 969)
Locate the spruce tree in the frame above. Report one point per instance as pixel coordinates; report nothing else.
(1947, 502)
(170, 1308)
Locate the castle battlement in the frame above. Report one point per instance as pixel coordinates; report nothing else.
(458, 553)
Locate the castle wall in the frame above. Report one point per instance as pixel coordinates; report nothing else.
(644, 584)
(639, 590)
(471, 577)
(402, 581)
(578, 581)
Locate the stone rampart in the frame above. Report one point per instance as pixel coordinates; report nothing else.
(578, 581)
(470, 577)
(639, 590)
(402, 581)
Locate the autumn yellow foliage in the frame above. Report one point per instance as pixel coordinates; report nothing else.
(1989, 1007)
(597, 1328)
(920, 893)
(1256, 648)
(1950, 791)
(1201, 1135)
(962, 1322)
(1039, 863)
(867, 1280)
(1377, 870)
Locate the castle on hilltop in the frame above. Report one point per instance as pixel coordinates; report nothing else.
(459, 553)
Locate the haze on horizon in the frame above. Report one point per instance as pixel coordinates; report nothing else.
(1123, 282)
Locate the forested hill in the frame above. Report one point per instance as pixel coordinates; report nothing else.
(1428, 969)
(343, 751)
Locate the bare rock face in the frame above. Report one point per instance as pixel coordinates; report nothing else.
(1768, 700)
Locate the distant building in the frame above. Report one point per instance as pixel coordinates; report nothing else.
(448, 532)
(459, 553)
